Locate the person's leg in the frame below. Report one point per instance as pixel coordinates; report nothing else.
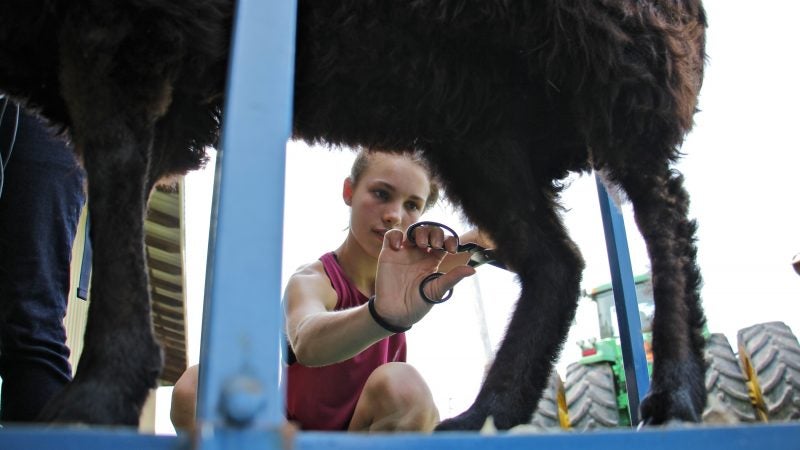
(184, 400)
(395, 398)
(39, 210)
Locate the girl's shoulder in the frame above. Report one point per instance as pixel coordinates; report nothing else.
(310, 281)
(311, 273)
(314, 268)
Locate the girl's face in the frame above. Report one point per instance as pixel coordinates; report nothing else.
(391, 194)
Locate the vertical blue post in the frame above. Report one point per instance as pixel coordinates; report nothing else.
(242, 320)
(630, 327)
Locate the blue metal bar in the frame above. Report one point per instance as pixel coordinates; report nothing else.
(761, 437)
(630, 328)
(40, 438)
(779, 436)
(240, 368)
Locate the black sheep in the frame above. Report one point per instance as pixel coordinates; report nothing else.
(504, 98)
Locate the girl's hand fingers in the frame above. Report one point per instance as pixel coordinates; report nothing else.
(437, 288)
(451, 244)
(393, 239)
(436, 238)
(429, 236)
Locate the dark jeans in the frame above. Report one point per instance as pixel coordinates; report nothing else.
(39, 210)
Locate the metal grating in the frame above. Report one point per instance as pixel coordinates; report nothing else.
(164, 243)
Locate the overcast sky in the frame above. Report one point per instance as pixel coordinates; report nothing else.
(741, 166)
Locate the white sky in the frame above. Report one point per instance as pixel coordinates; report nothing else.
(748, 229)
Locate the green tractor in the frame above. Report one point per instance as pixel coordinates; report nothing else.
(595, 394)
(596, 391)
(761, 385)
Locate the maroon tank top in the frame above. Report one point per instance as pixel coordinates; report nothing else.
(324, 398)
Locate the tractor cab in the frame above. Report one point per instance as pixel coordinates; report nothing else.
(606, 347)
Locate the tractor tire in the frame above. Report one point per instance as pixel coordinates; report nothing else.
(728, 395)
(591, 396)
(551, 412)
(770, 355)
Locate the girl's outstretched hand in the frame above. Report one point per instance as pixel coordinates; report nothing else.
(402, 265)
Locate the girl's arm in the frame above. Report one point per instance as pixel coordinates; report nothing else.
(318, 335)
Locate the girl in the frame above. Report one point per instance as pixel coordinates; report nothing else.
(346, 312)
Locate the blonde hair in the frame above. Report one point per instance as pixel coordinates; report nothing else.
(362, 162)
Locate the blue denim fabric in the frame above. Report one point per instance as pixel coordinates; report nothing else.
(39, 210)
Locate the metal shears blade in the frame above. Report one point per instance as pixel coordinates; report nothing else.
(479, 255)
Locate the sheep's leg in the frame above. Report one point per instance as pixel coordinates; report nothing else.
(519, 213)
(121, 360)
(660, 204)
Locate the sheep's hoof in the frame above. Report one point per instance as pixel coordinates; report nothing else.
(677, 394)
(667, 407)
(466, 421)
(91, 404)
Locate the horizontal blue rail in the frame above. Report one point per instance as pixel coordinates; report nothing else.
(761, 437)
(751, 437)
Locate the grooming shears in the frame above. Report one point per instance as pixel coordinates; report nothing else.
(478, 257)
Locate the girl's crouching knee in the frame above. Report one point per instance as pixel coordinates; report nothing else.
(396, 398)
